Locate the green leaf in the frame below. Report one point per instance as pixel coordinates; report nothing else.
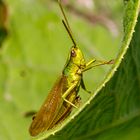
(114, 113)
(37, 42)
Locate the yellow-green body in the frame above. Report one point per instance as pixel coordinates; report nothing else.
(64, 94)
(74, 67)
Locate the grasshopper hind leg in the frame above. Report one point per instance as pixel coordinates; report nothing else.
(65, 111)
(70, 103)
(77, 101)
(67, 93)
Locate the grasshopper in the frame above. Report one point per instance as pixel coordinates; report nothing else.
(64, 94)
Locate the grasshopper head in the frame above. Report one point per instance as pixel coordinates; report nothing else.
(75, 62)
(76, 57)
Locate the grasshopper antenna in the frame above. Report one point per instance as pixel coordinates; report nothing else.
(66, 23)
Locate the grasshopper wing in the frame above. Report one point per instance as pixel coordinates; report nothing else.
(49, 110)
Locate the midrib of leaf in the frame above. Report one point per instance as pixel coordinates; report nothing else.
(131, 14)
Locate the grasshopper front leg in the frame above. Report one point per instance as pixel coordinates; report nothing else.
(99, 63)
(89, 66)
(83, 86)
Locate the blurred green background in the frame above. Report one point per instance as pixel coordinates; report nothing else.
(36, 49)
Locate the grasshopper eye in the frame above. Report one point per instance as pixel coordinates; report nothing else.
(73, 53)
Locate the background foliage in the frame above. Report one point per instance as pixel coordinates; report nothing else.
(37, 41)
